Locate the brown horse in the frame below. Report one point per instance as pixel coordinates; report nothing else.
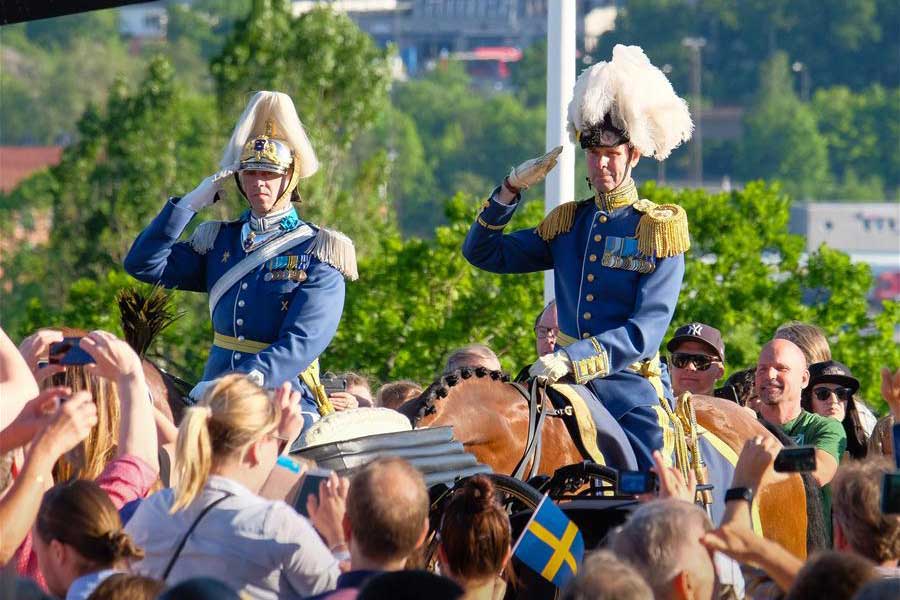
(490, 417)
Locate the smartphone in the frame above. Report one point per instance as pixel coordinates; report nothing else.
(631, 483)
(69, 352)
(890, 494)
(801, 459)
(895, 431)
(310, 486)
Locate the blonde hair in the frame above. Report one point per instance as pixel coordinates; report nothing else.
(809, 338)
(234, 413)
(91, 456)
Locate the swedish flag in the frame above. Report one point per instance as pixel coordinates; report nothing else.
(551, 544)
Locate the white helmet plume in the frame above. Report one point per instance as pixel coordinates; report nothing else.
(638, 99)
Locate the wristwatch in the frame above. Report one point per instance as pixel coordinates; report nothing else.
(739, 493)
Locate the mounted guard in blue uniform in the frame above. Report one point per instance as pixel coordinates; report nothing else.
(275, 283)
(618, 260)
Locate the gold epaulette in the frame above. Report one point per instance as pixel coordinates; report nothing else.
(336, 249)
(662, 230)
(204, 236)
(559, 220)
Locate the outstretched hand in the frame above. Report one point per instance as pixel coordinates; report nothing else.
(113, 358)
(755, 463)
(35, 349)
(288, 402)
(672, 483)
(71, 423)
(326, 511)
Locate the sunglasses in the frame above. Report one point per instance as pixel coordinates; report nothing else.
(701, 362)
(843, 394)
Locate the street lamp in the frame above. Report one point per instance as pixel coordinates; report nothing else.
(803, 70)
(695, 44)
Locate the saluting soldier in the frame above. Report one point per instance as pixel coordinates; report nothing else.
(275, 282)
(618, 260)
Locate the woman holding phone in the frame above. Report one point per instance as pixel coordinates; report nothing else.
(215, 524)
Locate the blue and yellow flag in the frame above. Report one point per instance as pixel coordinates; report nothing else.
(551, 544)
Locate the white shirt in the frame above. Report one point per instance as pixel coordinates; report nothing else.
(260, 547)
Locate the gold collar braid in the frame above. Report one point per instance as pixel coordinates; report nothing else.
(624, 195)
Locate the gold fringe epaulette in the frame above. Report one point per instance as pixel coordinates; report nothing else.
(336, 249)
(662, 230)
(204, 236)
(559, 220)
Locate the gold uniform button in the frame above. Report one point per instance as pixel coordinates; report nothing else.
(603, 219)
(590, 277)
(589, 297)
(592, 258)
(587, 316)
(598, 237)
(585, 335)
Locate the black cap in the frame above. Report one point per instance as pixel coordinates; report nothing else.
(831, 371)
(699, 332)
(602, 134)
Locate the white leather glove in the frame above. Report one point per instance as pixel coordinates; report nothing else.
(205, 194)
(552, 367)
(533, 171)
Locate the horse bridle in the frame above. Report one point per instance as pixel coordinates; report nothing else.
(538, 410)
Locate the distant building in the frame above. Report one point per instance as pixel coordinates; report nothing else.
(144, 21)
(427, 30)
(869, 232)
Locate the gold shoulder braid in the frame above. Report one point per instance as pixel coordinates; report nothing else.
(662, 230)
(559, 220)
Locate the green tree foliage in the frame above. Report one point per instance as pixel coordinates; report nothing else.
(861, 130)
(841, 43)
(417, 300)
(529, 75)
(469, 141)
(781, 136)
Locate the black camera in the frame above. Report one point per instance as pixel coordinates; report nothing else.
(332, 383)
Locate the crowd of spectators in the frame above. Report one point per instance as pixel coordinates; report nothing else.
(86, 513)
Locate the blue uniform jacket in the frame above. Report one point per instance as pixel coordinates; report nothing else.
(296, 319)
(618, 314)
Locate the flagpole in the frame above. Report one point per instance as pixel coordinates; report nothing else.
(525, 530)
(560, 183)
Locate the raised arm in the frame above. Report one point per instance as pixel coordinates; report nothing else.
(17, 384)
(71, 423)
(116, 361)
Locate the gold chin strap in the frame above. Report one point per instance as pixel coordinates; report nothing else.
(292, 184)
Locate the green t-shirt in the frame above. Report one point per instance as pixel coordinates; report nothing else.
(810, 429)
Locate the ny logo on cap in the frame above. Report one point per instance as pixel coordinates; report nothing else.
(833, 371)
(695, 329)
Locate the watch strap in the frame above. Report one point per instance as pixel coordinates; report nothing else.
(739, 493)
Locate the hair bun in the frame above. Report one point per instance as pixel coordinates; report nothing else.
(120, 545)
(478, 494)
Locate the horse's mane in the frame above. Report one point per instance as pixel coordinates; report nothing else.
(425, 403)
(145, 315)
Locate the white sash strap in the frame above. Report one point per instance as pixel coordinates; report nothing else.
(254, 259)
